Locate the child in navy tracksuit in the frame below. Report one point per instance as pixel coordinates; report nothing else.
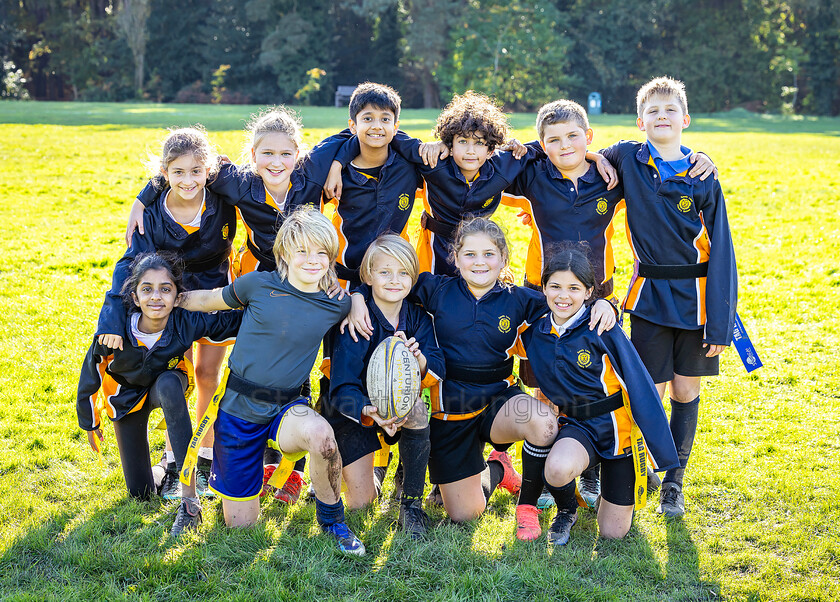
(389, 268)
(606, 400)
(149, 371)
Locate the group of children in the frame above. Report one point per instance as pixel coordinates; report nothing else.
(597, 395)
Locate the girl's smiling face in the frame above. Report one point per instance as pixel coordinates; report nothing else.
(565, 295)
(274, 158)
(187, 177)
(155, 295)
(480, 261)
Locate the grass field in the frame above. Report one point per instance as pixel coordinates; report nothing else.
(763, 519)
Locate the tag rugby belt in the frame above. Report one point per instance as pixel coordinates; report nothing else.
(479, 376)
(674, 272)
(593, 409)
(262, 393)
(433, 225)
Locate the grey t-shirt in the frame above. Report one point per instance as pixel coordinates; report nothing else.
(279, 338)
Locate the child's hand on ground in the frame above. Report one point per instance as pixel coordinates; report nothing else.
(358, 320)
(430, 152)
(703, 166)
(332, 187)
(603, 316)
(135, 220)
(112, 341)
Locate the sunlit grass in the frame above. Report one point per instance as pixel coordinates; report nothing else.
(761, 488)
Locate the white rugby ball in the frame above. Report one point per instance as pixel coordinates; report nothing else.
(393, 378)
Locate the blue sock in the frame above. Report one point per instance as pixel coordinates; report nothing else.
(329, 514)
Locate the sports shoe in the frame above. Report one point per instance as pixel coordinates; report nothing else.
(512, 480)
(671, 501)
(546, 500)
(527, 522)
(290, 492)
(379, 473)
(268, 472)
(589, 489)
(202, 478)
(561, 527)
(344, 537)
(188, 517)
(170, 488)
(413, 519)
(435, 498)
(653, 481)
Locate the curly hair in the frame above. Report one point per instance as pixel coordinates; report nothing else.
(469, 114)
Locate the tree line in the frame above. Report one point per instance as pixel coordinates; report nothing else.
(765, 55)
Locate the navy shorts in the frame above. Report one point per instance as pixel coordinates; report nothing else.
(457, 446)
(237, 472)
(666, 351)
(618, 480)
(354, 440)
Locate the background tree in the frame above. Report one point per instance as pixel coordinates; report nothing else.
(131, 17)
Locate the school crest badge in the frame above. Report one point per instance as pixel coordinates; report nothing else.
(685, 204)
(225, 232)
(173, 362)
(601, 206)
(504, 324)
(405, 201)
(584, 358)
(487, 203)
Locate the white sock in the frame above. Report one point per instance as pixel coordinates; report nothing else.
(170, 456)
(205, 452)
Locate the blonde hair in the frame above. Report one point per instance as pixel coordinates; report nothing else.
(480, 225)
(561, 111)
(392, 246)
(304, 228)
(274, 120)
(185, 141)
(661, 86)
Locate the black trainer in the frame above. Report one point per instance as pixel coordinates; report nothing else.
(671, 501)
(188, 517)
(170, 488)
(653, 481)
(561, 527)
(413, 519)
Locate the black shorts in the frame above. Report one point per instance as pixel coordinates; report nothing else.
(458, 445)
(354, 440)
(666, 351)
(618, 480)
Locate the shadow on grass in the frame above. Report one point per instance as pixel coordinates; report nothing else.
(683, 568)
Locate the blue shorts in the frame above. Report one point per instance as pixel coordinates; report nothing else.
(237, 472)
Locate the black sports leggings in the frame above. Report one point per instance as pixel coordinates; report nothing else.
(133, 437)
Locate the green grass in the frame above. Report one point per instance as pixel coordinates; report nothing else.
(761, 488)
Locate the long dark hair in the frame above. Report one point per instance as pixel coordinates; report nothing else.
(162, 260)
(569, 256)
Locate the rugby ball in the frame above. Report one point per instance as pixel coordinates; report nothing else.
(393, 378)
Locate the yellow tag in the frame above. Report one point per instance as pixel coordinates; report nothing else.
(204, 423)
(281, 473)
(637, 443)
(161, 425)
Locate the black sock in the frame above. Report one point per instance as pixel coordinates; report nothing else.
(300, 465)
(271, 456)
(593, 474)
(496, 474)
(533, 464)
(414, 453)
(683, 429)
(564, 497)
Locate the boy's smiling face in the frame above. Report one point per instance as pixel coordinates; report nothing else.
(470, 153)
(663, 120)
(374, 127)
(565, 143)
